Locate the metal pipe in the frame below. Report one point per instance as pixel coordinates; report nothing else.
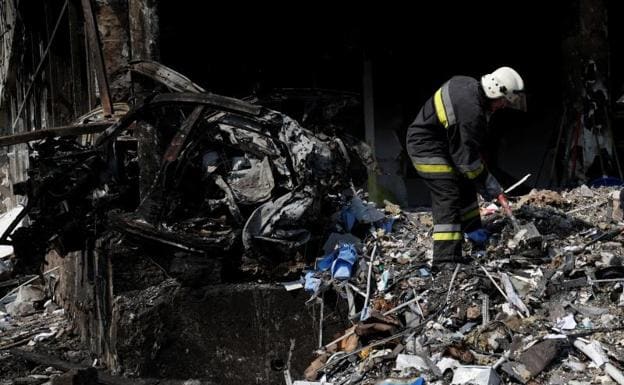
(364, 312)
(448, 294)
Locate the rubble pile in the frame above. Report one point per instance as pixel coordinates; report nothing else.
(543, 309)
(33, 329)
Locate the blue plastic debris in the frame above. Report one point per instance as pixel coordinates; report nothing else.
(365, 212)
(343, 264)
(479, 236)
(606, 181)
(360, 212)
(385, 224)
(340, 261)
(325, 263)
(312, 284)
(348, 218)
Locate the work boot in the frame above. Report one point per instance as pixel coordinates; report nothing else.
(443, 273)
(441, 264)
(439, 267)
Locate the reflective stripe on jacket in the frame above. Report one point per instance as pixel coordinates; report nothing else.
(446, 136)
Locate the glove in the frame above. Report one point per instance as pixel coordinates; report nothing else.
(489, 188)
(502, 199)
(492, 186)
(479, 236)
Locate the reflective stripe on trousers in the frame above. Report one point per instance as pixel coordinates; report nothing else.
(447, 232)
(455, 211)
(469, 211)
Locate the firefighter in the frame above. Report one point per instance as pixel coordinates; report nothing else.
(444, 144)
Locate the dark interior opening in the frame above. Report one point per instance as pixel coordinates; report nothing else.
(412, 53)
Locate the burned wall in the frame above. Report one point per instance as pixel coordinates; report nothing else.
(586, 150)
(113, 22)
(173, 332)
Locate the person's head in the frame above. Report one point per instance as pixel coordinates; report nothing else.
(504, 88)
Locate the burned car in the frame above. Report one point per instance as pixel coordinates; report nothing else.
(234, 178)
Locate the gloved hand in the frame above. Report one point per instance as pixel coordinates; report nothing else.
(479, 236)
(489, 188)
(502, 199)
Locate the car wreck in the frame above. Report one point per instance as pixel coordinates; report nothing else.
(233, 175)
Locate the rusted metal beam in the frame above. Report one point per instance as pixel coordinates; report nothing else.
(165, 75)
(180, 139)
(98, 59)
(218, 102)
(77, 129)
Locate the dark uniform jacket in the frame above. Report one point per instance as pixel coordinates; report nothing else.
(444, 140)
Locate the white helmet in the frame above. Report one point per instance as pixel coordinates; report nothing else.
(505, 81)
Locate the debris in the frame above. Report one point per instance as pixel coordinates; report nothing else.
(311, 383)
(337, 239)
(364, 213)
(340, 262)
(87, 376)
(447, 364)
(448, 294)
(404, 361)
(365, 310)
(401, 381)
(533, 360)
(20, 309)
(6, 270)
(475, 375)
(575, 365)
(312, 372)
(514, 299)
(507, 302)
(594, 351)
(294, 285)
(485, 309)
(30, 293)
(496, 285)
(7, 225)
(542, 198)
(518, 183)
(566, 323)
(44, 336)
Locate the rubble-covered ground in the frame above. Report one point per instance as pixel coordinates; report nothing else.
(523, 311)
(37, 342)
